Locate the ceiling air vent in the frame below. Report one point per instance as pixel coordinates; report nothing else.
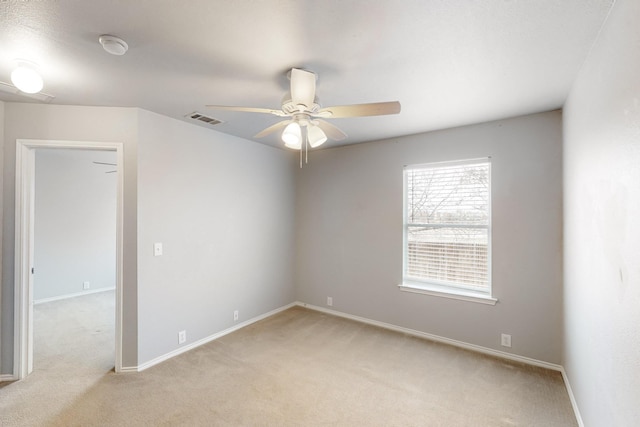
(204, 119)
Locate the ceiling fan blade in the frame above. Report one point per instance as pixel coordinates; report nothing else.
(330, 130)
(360, 110)
(303, 87)
(278, 113)
(272, 128)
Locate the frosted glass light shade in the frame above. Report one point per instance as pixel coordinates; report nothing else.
(316, 136)
(27, 79)
(292, 136)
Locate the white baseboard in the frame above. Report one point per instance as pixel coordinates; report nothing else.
(437, 338)
(67, 296)
(574, 403)
(7, 377)
(203, 341)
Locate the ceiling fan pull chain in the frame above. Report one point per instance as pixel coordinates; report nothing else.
(300, 158)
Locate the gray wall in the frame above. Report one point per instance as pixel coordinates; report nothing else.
(602, 225)
(38, 121)
(5, 330)
(349, 234)
(223, 208)
(75, 222)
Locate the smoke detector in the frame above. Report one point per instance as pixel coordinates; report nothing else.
(114, 45)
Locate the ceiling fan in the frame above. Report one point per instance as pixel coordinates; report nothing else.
(107, 164)
(304, 125)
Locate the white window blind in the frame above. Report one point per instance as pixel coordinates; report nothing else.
(447, 225)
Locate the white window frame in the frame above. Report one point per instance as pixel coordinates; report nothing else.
(431, 286)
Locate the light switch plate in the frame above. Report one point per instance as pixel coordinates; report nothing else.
(157, 249)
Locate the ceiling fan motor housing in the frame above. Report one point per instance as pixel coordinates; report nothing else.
(289, 107)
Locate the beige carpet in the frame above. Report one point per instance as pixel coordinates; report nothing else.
(298, 368)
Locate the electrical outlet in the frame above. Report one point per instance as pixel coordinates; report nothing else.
(182, 337)
(235, 315)
(330, 301)
(506, 340)
(86, 285)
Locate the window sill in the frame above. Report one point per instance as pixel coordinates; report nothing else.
(458, 294)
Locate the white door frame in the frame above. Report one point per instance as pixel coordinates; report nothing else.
(24, 210)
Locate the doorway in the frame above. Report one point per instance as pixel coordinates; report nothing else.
(25, 245)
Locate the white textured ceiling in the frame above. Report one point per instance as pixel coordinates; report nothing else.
(449, 63)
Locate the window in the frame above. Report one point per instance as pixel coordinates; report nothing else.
(447, 228)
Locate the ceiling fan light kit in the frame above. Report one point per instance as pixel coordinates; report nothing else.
(315, 136)
(300, 105)
(26, 77)
(292, 136)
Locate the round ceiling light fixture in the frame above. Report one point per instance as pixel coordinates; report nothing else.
(114, 45)
(26, 77)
